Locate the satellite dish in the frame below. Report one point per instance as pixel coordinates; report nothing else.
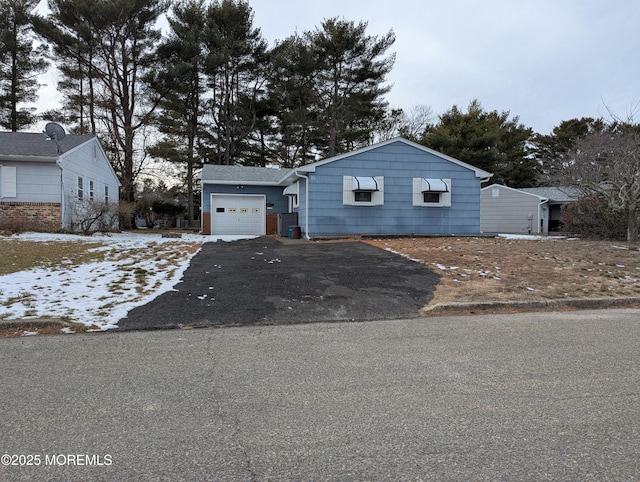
(54, 131)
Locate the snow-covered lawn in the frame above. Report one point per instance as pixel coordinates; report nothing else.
(133, 270)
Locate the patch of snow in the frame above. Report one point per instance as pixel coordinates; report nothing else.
(100, 293)
(532, 237)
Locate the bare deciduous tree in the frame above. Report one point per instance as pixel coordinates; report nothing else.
(606, 164)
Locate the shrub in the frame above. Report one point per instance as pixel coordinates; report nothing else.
(592, 218)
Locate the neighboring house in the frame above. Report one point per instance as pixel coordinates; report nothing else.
(50, 186)
(522, 211)
(396, 187)
(557, 198)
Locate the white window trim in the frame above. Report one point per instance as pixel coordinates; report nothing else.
(348, 194)
(418, 197)
(8, 181)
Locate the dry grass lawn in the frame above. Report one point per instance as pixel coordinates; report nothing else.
(19, 255)
(503, 269)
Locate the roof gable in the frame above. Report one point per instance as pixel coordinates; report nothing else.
(37, 145)
(480, 173)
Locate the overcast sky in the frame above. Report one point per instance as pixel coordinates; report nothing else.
(544, 61)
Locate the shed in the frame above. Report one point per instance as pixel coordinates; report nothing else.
(508, 210)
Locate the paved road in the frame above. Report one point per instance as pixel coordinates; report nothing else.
(504, 397)
(265, 281)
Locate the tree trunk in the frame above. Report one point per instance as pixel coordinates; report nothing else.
(632, 228)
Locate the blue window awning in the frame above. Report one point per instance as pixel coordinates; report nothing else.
(434, 185)
(365, 184)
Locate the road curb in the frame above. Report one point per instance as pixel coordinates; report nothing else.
(541, 305)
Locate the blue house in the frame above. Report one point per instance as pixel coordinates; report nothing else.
(396, 187)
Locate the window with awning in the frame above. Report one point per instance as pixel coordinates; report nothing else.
(363, 190)
(431, 192)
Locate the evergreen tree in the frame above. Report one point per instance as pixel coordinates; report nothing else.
(488, 140)
(236, 75)
(20, 64)
(349, 83)
(183, 86)
(109, 46)
(552, 151)
(72, 28)
(296, 107)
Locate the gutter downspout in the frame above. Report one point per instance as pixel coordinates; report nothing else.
(542, 201)
(63, 204)
(306, 204)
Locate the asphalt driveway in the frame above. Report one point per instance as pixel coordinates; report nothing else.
(267, 281)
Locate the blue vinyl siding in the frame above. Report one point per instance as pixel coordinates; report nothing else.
(399, 163)
(273, 193)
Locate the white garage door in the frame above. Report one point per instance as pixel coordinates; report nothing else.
(232, 214)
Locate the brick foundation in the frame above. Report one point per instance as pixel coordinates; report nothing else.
(24, 216)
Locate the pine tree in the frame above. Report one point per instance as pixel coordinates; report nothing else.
(488, 140)
(72, 28)
(236, 75)
(183, 86)
(349, 82)
(20, 64)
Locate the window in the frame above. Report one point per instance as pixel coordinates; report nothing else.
(431, 197)
(106, 194)
(91, 190)
(431, 192)
(362, 196)
(80, 188)
(8, 181)
(362, 190)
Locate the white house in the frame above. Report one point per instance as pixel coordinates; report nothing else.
(48, 185)
(523, 211)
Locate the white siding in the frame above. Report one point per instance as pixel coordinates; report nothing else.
(506, 210)
(89, 162)
(7, 181)
(35, 181)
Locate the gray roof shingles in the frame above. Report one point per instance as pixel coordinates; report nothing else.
(28, 144)
(557, 194)
(212, 173)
